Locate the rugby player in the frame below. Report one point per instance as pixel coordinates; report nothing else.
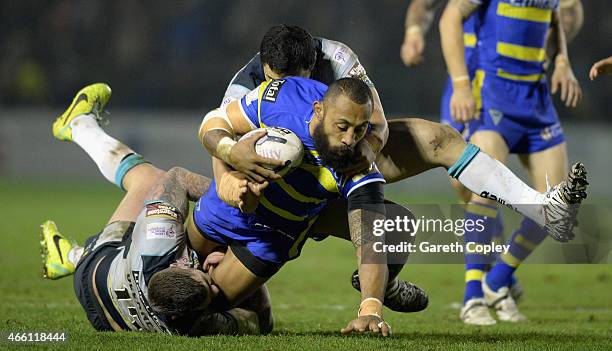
(500, 93)
(139, 272)
(290, 50)
(419, 18)
(420, 14)
(331, 122)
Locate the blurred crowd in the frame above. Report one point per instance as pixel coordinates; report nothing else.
(181, 54)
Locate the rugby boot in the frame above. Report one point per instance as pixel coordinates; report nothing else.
(400, 297)
(561, 204)
(54, 252)
(476, 312)
(90, 99)
(503, 303)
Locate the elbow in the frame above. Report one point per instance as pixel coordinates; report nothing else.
(175, 172)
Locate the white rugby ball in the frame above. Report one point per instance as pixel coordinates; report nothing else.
(279, 144)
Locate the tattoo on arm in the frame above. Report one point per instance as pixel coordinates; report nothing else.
(178, 186)
(361, 223)
(465, 7)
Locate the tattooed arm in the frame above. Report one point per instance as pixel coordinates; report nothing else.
(372, 271)
(178, 186)
(366, 205)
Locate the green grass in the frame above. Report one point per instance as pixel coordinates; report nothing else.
(569, 306)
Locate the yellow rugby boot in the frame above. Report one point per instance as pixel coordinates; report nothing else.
(54, 250)
(90, 99)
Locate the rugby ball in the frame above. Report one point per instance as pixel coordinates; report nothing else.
(279, 144)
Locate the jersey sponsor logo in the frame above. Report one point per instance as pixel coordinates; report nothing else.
(188, 259)
(161, 231)
(359, 72)
(227, 101)
(551, 132)
(496, 116)
(541, 4)
(272, 90)
(161, 210)
(340, 56)
(488, 195)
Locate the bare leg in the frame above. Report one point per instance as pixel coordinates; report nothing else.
(551, 163)
(235, 280)
(137, 182)
(417, 145)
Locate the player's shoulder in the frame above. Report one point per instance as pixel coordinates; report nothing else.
(337, 52)
(289, 89)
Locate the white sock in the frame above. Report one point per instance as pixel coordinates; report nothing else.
(491, 179)
(75, 254)
(106, 151)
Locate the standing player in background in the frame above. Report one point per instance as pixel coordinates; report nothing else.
(507, 108)
(419, 18)
(420, 15)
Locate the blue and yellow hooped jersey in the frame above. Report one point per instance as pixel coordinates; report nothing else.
(512, 37)
(469, 42)
(299, 197)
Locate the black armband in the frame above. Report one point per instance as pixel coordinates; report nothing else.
(369, 197)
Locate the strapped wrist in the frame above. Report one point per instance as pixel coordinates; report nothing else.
(414, 29)
(370, 307)
(561, 60)
(224, 147)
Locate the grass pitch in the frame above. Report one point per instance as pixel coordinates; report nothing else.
(569, 306)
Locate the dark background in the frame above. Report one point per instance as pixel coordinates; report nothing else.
(182, 54)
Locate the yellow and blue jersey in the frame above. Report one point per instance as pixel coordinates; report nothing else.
(288, 207)
(512, 95)
(512, 37)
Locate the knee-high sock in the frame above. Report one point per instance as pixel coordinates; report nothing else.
(113, 158)
(498, 238)
(476, 264)
(491, 179)
(75, 254)
(522, 243)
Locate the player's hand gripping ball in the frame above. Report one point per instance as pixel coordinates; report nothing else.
(279, 144)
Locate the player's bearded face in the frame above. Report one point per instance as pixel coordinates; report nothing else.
(338, 157)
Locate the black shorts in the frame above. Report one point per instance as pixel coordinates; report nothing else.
(100, 250)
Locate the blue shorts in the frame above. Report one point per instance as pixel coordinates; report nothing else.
(227, 226)
(521, 112)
